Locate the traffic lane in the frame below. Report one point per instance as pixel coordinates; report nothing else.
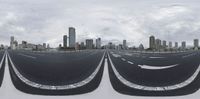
(148, 60)
(124, 89)
(164, 77)
(137, 54)
(56, 70)
(2, 66)
(86, 88)
(42, 54)
(1, 55)
(156, 59)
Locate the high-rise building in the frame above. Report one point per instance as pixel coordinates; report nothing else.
(77, 47)
(170, 44)
(65, 41)
(12, 40)
(176, 45)
(82, 46)
(89, 43)
(183, 45)
(158, 44)
(98, 43)
(72, 37)
(124, 44)
(196, 43)
(152, 42)
(44, 45)
(164, 44)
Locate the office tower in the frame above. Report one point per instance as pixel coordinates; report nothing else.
(164, 44)
(65, 41)
(152, 42)
(12, 46)
(124, 44)
(77, 46)
(82, 46)
(44, 45)
(158, 44)
(98, 43)
(183, 45)
(11, 40)
(111, 45)
(176, 45)
(196, 43)
(72, 37)
(89, 43)
(170, 44)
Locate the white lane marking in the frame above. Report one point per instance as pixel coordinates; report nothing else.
(156, 57)
(51, 87)
(130, 62)
(2, 60)
(128, 54)
(123, 59)
(156, 67)
(150, 88)
(116, 55)
(27, 56)
(185, 56)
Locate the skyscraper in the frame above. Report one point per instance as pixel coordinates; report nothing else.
(196, 43)
(11, 40)
(170, 44)
(152, 42)
(98, 43)
(176, 45)
(158, 44)
(183, 45)
(124, 44)
(65, 41)
(164, 44)
(72, 37)
(89, 43)
(82, 46)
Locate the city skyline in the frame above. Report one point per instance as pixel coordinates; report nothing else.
(130, 20)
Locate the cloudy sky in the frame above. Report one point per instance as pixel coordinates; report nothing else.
(39, 21)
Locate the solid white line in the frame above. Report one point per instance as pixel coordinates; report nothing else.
(51, 87)
(156, 67)
(149, 88)
(156, 57)
(123, 59)
(130, 62)
(116, 55)
(27, 56)
(2, 60)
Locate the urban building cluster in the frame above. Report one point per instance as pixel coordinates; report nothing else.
(162, 45)
(14, 45)
(69, 43)
(156, 44)
(122, 46)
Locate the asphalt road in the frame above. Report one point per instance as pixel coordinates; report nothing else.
(2, 63)
(153, 73)
(57, 69)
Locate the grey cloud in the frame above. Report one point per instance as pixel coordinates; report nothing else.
(41, 21)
